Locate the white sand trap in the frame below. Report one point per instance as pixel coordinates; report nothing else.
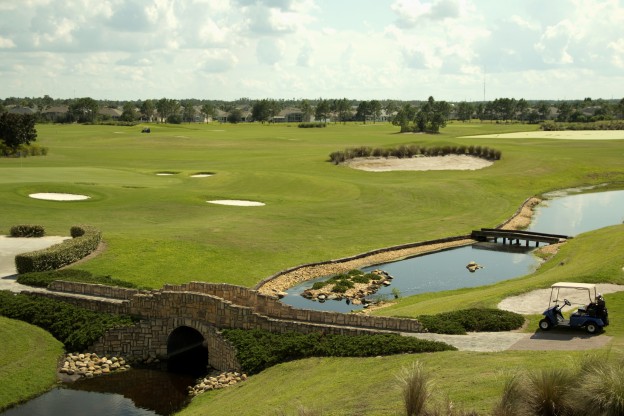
(165, 174)
(563, 134)
(449, 162)
(59, 197)
(201, 175)
(237, 202)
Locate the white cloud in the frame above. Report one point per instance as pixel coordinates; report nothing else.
(269, 51)
(6, 43)
(217, 61)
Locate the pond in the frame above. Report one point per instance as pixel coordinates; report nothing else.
(138, 392)
(563, 214)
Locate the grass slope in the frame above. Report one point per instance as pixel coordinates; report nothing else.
(28, 359)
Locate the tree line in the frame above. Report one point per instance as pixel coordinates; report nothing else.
(402, 113)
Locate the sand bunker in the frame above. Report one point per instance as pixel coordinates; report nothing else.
(237, 202)
(59, 197)
(449, 162)
(202, 175)
(562, 134)
(166, 173)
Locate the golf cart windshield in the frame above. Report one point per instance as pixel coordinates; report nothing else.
(580, 292)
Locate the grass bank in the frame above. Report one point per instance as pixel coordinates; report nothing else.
(28, 359)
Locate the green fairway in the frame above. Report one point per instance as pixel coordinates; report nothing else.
(160, 229)
(28, 358)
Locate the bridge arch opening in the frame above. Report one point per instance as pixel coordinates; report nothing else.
(187, 352)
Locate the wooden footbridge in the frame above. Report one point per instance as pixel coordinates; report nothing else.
(515, 236)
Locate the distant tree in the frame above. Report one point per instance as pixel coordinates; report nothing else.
(167, 107)
(391, 107)
(128, 113)
(363, 111)
(147, 109)
(208, 110)
(17, 129)
(620, 108)
(565, 111)
(84, 110)
(522, 109)
(189, 112)
(235, 116)
(343, 108)
(543, 109)
(322, 110)
(404, 116)
(307, 110)
(264, 110)
(2, 108)
(432, 116)
(464, 111)
(480, 111)
(375, 110)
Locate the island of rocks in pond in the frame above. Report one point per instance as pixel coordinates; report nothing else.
(354, 286)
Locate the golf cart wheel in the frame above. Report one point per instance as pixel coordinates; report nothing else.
(545, 325)
(591, 328)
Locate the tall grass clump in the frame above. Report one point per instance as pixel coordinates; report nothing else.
(601, 387)
(415, 385)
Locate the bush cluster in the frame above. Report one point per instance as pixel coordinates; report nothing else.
(23, 150)
(85, 240)
(43, 279)
(258, 349)
(75, 327)
(412, 150)
(311, 125)
(596, 125)
(472, 320)
(27, 230)
(342, 282)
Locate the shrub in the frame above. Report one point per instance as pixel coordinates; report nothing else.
(312, 125)
(26, 230)
(319, 285)
(43, 279)
(257, 349)
(85, 240)
(472, 320)
(75, 327)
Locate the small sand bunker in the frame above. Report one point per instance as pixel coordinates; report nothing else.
(202, 175)
(237, 202)
(166, 173)
(449, 162)
(59, 197)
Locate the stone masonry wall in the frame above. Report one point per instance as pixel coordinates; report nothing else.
(271, 307)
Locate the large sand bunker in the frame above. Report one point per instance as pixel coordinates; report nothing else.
(448, 162)
(560, 134)
(237, 202)
(51, 196)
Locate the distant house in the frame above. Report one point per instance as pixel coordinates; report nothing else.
(289, 115)
(221, 116)
(110, 113)
(56, 113)
(21, 110)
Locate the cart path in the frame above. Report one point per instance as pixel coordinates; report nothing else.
(561, 340)
(475, 341)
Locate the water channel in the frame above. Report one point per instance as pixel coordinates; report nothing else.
(566, 212)
(142, 392)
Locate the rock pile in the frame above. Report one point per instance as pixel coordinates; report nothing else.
(216, 382)
(89, 365)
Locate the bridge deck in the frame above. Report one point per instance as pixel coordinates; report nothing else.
(493, 234)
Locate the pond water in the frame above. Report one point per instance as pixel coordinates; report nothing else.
(137, 392)
(568, 214)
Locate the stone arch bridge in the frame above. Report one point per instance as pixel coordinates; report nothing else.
(177, 318)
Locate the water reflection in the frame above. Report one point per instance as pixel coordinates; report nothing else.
(137, 392)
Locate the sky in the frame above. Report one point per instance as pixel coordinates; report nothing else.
(453, 50)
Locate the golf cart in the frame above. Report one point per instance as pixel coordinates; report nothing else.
(592, 316)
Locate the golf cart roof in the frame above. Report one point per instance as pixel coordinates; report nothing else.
(570, 285)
